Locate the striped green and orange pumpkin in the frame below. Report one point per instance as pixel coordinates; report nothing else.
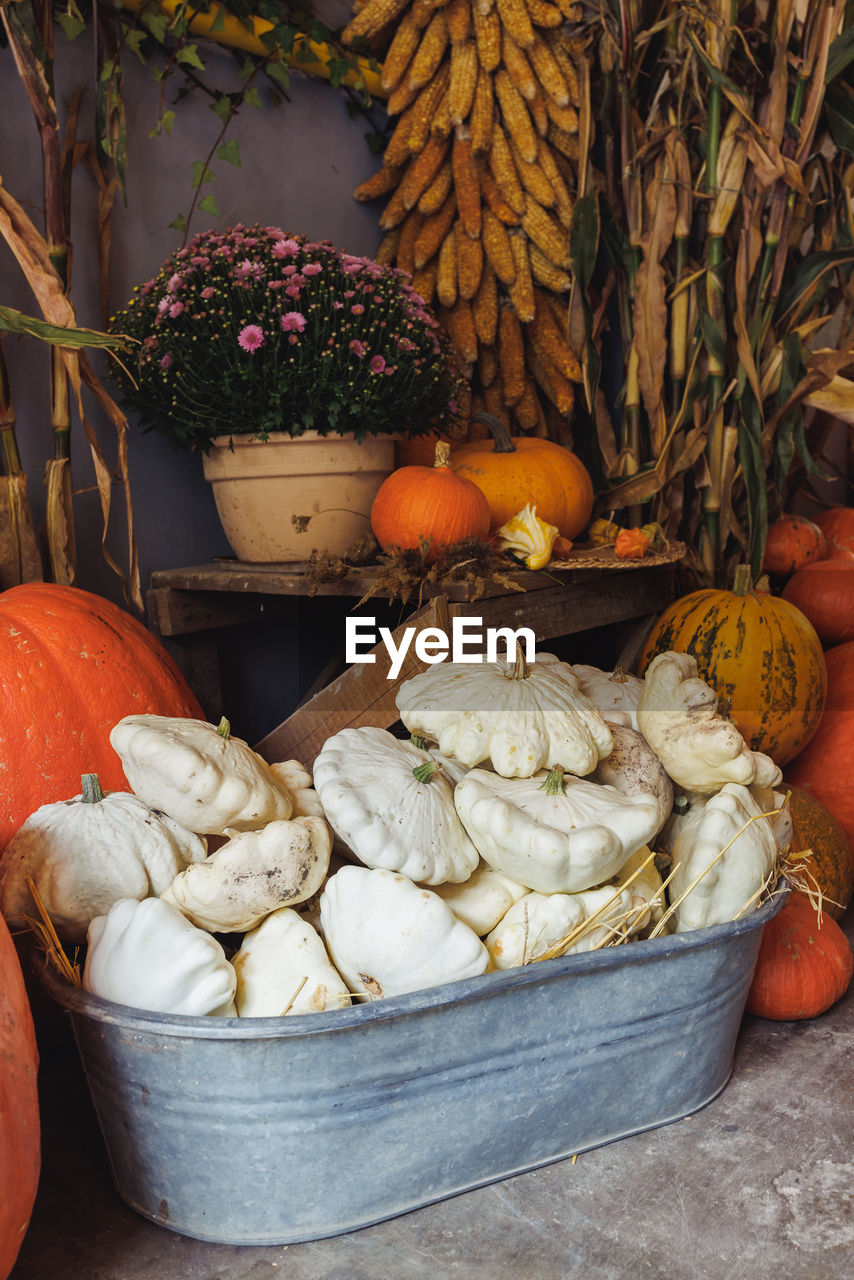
(760, 655)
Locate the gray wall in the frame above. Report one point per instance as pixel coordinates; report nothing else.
(300, 164)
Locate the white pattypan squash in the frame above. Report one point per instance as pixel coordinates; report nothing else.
(646, 888)
(482, 900)
(387, 936)
(730, 820)
(538, 921)
(283, 966)
(147, 955)
(199, 774)
(678, 716)
(553, 832)
(253, 874)
(634, 769)
(297, 781)
(616, 693)
(85, 853)
(391, 805)
(520, 718)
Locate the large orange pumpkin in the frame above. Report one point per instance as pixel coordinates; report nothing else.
(824, 591)
(432, 504)
(756, 651)
(830, 863)
(20, 1152)
(837, 525)
(513, 472)
(826, 765)
(71, 665)
(792, 542)
(803, 967)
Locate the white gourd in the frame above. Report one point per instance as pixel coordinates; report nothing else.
(148, 956)
(616, 693)
(85, 853)
(554, 833)
(390, 804)
(520, 718)
(387, 936)
(283, 968)
(483, 899)
(539, 921)
(634, 769)
(199, 774)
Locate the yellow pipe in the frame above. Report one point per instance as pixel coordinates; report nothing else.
(233, 32)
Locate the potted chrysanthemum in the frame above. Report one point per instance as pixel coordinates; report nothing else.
(254, 343)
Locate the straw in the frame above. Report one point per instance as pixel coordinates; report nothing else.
(49, 941)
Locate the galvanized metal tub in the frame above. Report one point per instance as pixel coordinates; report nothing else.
(279, 1130)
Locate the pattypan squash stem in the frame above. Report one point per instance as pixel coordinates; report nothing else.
(224, 729)
(520, 666)
(555, 782)
(424, 772)
(420, 743)
(92, 793)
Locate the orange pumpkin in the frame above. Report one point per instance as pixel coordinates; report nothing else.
(830, 863)
(824, 591)
(417, 451)
(71, 665)
(513, 472)
(756, 651)
(837, 525)
(824, 768)
(792, 542)
(434, 504)
(20, 1152)
(803, 967)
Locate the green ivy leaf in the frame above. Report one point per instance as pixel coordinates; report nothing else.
(251, 96)
(230, 152)
(218, 23)
(222, 108)
(157, 23)
(201, 174)
(71, 23)
(179, 223)
(188, 57)
(133, 40)
(209, 205)
(278, 72)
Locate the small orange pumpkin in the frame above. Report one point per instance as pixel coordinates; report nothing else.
(824, 768)
(514, 472)
(837, 525)
(824, 591)
(434, 504)
(792, 542)
(831, 859)
(804, 966)
(20, 1148)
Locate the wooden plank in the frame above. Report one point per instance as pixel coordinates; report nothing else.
(176, 612)
(363, 695)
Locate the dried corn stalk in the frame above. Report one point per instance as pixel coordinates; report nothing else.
(485, 100)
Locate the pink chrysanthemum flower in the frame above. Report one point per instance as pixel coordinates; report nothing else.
(377, 364)
(293, 321)
(358, 309)
(166, 362)
(285, 248)
(250, 338)
(207, 292)
(357, 347)
(176, 309)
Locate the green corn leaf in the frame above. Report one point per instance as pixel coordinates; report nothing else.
(840, 55)
(12, 321)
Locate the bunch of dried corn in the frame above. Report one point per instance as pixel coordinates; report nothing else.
(479, 175)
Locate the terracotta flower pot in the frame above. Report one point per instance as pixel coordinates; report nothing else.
(283, 498)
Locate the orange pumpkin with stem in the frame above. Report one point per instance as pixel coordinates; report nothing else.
(515, 471)
(418, 504)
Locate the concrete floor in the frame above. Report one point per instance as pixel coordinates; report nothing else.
(760, 1183)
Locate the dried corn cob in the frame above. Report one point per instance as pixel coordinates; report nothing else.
(548, 72)
(517, 66)
(466, 182)
(422, 11)
(422, 170)
(394, 212)
(446, 278)
(388, 247)
(404, 43)
(514, 16)
(517, 121)
(434, 230)
(497, 247)
(487, 32)
(565, 118)
(554, 385)
(565, 143)
(463, 80)
(424, 280)
(564, 203)
(570, 9)
(397, 150)
(375, 15)
(493, 398)
(539, 113)
(484, 306)
(459, 17)
(437, 193)
(547, 234)
(527, 409)
(511, 354)
(495, 200)
(382, 182)
(504, 171)
(548, 338)
(560, 48)
(409, 230)
(400, 98)
(469, 263)
(425, 108)
(487, 364)
(533, 179)
(482, 112)
(543, 14)
(434, 40)
(546, 273)
(521, 291)
(459, 323)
